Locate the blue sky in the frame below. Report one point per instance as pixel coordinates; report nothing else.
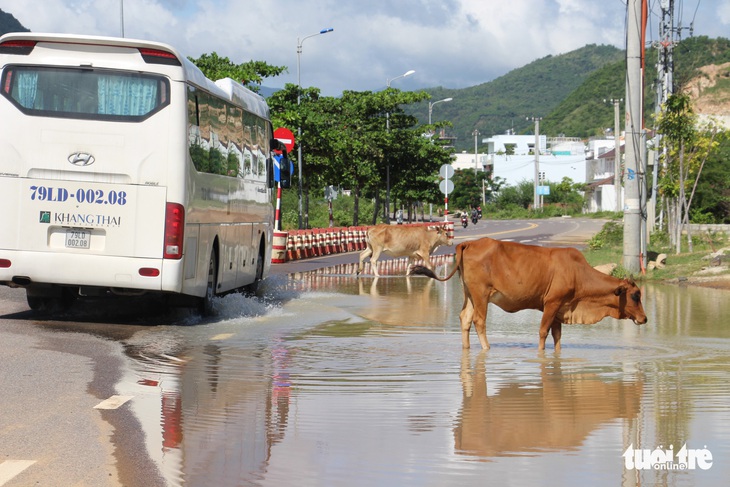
(449, 43)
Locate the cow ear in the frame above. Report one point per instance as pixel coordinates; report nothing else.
(620, 290)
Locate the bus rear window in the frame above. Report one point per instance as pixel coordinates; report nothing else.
(85, 93)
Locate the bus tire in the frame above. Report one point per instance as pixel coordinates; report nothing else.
(206, 302)
(252, 289)
(44, 303)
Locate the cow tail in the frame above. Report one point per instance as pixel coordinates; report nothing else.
(425, 271)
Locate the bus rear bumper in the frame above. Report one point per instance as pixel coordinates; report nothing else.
(26, 269)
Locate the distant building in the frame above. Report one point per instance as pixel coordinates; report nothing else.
(512, 158)
(600, 164)
(465, 160)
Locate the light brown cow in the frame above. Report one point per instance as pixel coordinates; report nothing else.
(557, 281)
(400, 241)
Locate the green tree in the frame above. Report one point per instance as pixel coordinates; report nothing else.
(688, 148)
(522, 195)
(346, 143)
(468, 186)
(250, 73)
(566, 193)
(712, 198)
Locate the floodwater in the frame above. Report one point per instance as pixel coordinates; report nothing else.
(335, 380)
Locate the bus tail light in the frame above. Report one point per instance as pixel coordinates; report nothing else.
(158, 56)
(21, 47)
(5, 263)
(174, 230)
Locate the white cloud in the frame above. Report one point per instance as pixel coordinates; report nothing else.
(450, 43)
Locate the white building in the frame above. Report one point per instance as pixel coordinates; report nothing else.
(512, 159)
(466, 160)
(600, 170)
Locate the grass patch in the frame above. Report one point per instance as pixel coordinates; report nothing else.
(606, 247)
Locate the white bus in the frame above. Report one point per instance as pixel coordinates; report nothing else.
(125, 171)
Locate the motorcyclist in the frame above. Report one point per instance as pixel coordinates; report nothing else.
(474, 216)
(464, 219)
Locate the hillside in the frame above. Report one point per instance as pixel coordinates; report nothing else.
(568, 92)
(8, 23)
(504, 103)
(700, 64)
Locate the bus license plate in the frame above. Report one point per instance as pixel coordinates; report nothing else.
(78, 239)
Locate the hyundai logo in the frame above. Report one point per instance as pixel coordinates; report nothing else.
(81, 159)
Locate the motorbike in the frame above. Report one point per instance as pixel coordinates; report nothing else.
(464, 220)
(474, 218)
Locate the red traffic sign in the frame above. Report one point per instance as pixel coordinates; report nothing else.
(286, 137)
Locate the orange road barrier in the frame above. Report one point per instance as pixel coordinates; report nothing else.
(279, 247)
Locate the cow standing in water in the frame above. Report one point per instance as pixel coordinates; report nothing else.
(557, 281)
(397, 241)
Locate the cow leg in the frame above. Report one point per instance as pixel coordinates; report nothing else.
(466, 316)
(472, 313)
(364, 255)
(480, 320)
(548, 319)
(556, 330)
(374, 261)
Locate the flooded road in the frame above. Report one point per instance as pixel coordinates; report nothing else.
(335, 380)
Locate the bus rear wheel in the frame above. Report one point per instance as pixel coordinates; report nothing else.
(252, 289)
(48, 302)
(206, 302)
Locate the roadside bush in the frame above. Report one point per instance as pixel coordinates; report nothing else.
(611, 235)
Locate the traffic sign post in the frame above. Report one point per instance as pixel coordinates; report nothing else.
(446, 186)
(286, 137)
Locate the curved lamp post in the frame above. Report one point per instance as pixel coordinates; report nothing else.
(299, 101)
(430, 107)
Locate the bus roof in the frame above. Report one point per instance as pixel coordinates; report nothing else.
(225, 88)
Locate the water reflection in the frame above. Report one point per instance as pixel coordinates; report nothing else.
(336, 380)
(553, 411)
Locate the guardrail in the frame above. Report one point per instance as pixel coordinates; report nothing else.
(317, 242)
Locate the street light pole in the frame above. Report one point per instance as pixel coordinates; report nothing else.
(430, 107)
(387, 169)
(299, 102)
(121, 16)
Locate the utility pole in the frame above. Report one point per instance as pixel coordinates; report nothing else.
(617, 151)
(633, 153)
(665, 82)
(536, 198)
(476, 154)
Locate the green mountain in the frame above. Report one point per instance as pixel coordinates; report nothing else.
(8, 23)
(534, 90)
(584, 112)
(566, 91)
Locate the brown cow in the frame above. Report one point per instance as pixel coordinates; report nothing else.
(557, 281)
(398, 241)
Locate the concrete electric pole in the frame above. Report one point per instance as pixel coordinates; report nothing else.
(633, 146)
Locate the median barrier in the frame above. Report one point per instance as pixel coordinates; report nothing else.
(317, 242)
